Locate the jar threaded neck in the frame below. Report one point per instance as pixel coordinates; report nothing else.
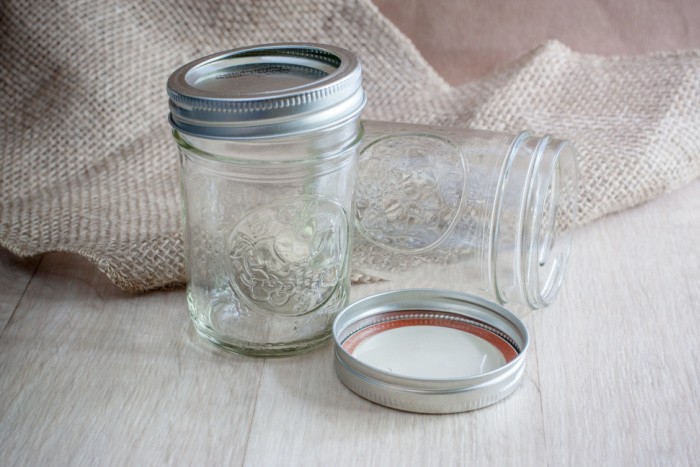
(535, 208)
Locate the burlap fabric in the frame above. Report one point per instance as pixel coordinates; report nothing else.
(88, 165)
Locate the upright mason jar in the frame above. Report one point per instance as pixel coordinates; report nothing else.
(268, 137)
(476, 211)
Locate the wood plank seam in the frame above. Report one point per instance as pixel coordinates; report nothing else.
(252, 416)
(24, 291)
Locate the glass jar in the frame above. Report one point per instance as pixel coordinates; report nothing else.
(468, 210)
(268, 137)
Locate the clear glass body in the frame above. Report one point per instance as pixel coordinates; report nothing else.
(476, 211)
(268, 225)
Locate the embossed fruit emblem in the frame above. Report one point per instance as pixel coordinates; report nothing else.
(417, 202)
(288, 257)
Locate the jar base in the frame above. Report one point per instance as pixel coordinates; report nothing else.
(252, 349)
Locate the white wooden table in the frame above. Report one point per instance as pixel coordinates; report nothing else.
(91, 375)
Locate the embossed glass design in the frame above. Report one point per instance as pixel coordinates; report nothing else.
(468, 210)
(268, 243)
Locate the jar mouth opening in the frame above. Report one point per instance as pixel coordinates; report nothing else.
(535, 210)
(261, 73)
(554, 209)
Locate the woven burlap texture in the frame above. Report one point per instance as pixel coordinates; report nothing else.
(88, 165)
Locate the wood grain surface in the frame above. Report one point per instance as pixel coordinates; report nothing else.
(619, 351)
(89, 375)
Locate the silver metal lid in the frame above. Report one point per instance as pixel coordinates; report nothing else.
(429, 351)
(266, 90)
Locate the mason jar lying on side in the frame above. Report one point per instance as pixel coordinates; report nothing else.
(469, 210)
(268, 136)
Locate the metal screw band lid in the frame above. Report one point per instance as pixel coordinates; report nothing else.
(266, 90)
(429, 351)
